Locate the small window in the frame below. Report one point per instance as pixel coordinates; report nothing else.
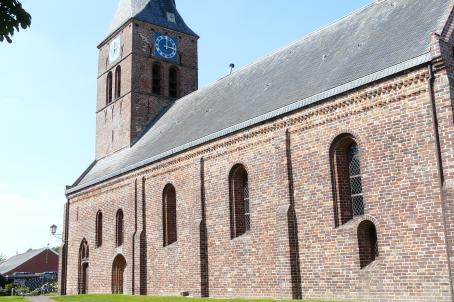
(367, 243)
(98, 229)
(109, 88)
(173, 82)
(169, 215)
(346, 179)
(118, 82)
(119, 228)
(240, 217)
(156, 78)
(84, 252)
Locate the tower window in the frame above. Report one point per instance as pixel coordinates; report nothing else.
(173, 82)
(156, 85)
(118, 82)
(367, 243)
(240, 220)
(98, 229)
(346, 179)
(169, 215)
(119, 228)
(109, 88)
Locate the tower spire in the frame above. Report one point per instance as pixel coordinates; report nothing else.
(162, 13)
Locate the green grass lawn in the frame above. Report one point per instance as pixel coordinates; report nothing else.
(116, 298)
(12, 299)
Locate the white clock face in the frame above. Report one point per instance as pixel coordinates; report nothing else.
(114, 49)
(166, 47)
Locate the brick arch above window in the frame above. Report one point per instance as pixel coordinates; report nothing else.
(240, 220)
(367, 243)
(109, 88)
(119, 228)
(99, 229)
(345, 160)
(117, 82)
(169, 215)
(84, 251)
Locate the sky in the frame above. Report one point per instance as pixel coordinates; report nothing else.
(48, 91)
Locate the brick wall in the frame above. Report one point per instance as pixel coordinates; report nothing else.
(119, 123)
(289, 171)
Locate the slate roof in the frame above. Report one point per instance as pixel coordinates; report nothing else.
(151, 11)
(379, 40)
(20, 259)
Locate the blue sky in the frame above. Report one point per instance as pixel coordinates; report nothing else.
(48, 90)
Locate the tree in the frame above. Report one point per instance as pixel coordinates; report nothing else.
(2, 258)
(12, 17)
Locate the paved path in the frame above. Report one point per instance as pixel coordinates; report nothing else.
(39, 299)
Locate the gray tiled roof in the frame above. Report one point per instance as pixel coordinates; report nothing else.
(151, 11)
(20, 259)
(379, 40)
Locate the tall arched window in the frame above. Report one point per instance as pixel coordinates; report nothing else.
(156, 79)
(118, 82)
(173, 82)
(119, 228)
(367, 243)
(98, 241)
(346, 179)
(109, 88)
(84, 255)
(169, 215)
(118, 269)
(240, 217)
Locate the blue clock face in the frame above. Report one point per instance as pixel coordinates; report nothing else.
(166, 47)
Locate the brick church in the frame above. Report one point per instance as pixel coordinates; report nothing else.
(324, 170)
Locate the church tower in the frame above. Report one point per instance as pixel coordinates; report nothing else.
(147, 62)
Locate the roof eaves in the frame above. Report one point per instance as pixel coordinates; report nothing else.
(422, 59)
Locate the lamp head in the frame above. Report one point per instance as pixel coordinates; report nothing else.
(53, 229)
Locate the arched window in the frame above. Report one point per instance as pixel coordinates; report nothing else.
(240, 220)
(119, 228)
(156, 78)
(169, 215)
(84, 255)
(98, 241)
(367, 243)
(118, 82)
(118, 269)
(173, 82)
(346, 179)
(109, 88)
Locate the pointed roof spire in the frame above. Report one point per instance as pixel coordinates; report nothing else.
(159, 12)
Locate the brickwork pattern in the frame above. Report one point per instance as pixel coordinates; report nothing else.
(120, 123)
(302, 243)
(392, 124)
